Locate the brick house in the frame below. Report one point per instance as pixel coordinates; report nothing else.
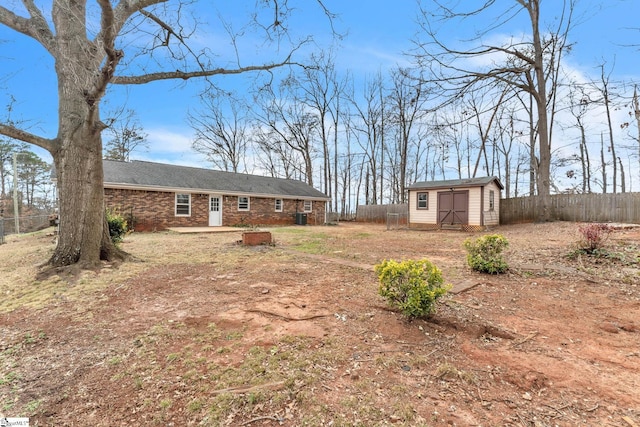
(468, 204)
(156, 196)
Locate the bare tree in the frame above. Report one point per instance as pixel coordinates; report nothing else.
(506, 135)
(407, 99)
(221, 131)
(33, 175)
(528, 65)
(604, 88)
(321, 94)
(484, 128)
(369, 128)
(448, 130)
(635, 116)
(133, 42)
(287, 125)
(7, 148)
(579, 107)
(276, 159)
(126, 136)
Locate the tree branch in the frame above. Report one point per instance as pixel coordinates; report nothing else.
(185, 75)
(125, 9)
(107, 37)
(15, 133)
(35, 27)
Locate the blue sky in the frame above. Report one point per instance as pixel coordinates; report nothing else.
(378, 33)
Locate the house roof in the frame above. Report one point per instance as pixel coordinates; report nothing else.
(140, 175)
(456, 183)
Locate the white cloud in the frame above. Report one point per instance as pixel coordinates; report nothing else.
(164, 140)
(171, 146)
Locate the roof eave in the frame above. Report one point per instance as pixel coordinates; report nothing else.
(452, 184)
(124, 186)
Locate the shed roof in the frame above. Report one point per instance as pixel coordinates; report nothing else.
(141, 175)
(456, 183)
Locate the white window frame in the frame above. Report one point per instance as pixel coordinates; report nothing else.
(307, 205)
(492, 200)
(278, 204)
(241, 206)
(183, 204)
(426, 200)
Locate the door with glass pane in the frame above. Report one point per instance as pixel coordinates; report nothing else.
(215, 211)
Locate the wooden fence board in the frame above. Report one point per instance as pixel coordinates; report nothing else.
(378, 213)
(619, 207)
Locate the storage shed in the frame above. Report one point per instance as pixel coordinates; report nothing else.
(465, 204)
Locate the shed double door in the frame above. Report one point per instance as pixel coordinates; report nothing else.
(453, 207)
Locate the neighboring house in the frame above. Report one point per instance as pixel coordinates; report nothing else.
(467, 204)
(157, 196)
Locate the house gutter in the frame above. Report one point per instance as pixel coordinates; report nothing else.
(210, 191)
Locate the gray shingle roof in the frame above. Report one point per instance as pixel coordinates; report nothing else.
(161, 176)
(454, 183)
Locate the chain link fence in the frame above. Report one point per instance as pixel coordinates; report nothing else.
(26, 224)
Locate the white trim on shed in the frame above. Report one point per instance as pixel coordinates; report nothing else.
(463, 203)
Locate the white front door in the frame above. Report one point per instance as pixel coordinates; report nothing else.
(215, 211)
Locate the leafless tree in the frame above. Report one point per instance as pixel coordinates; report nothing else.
(478, 105)
(407, 98)
(321, 91)
(579, 104)
(132, 42)
(506, 135)
(126, 136)
(528, 64)
(286, 125)
(221, 130)
(603, 86)
(369, 127)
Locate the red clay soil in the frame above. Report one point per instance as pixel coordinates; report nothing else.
(553, 342)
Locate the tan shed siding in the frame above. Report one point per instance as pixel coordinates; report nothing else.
(492, 217)
(478, 209)
(475, 204)
(423, 216)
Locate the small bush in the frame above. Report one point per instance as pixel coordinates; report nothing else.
(412, 286)
(485, 253)
(117, 226)
(593, 237)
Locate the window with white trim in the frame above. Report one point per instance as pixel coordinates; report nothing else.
(308, 206)
(492, 200)
(183, 204)
(243, 203)
(278, 205)
(423, 200)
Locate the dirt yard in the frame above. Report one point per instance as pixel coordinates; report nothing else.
(202, 331)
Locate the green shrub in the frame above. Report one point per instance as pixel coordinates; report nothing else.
(485, 253)
(412, 286)
(117, 226)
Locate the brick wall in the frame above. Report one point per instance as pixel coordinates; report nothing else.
(262, 212)
(155, 210)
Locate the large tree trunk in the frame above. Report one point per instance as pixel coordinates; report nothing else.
(543, 175)
(83, 235)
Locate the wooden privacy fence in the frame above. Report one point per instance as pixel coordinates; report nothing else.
(378, 213)
(619, 207)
